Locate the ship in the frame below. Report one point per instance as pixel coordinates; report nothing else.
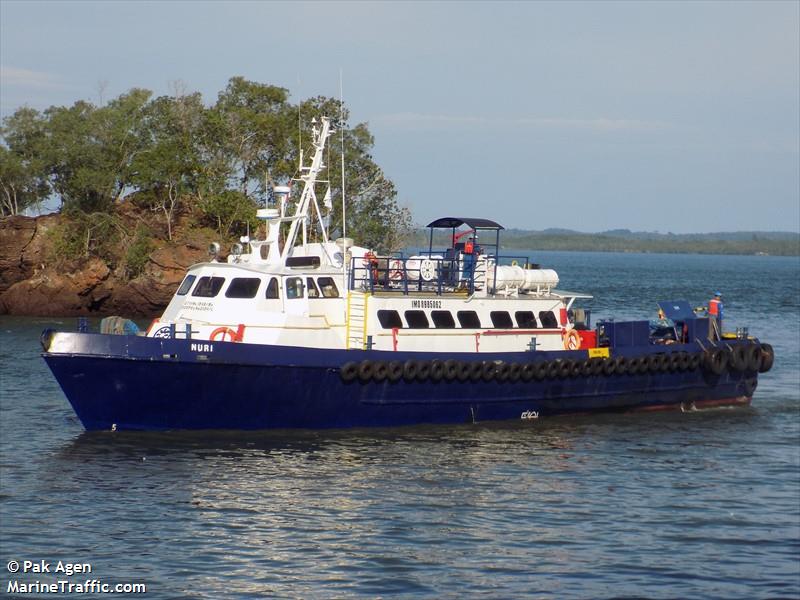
(295, 330)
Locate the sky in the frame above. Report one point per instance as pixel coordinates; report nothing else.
(650, 116)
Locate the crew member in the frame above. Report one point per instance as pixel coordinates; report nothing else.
(715, 308)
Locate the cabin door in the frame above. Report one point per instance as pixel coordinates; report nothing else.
(295, 296)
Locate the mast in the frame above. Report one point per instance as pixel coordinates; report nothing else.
(308, 175)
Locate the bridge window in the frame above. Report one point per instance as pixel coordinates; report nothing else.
(273, 289)
(187, 283)
(328, 287)
(294, 288)
(243, 287)
(548, 319)
(313, 292)
(469, 319)
(417, 319)
(208, 287)
(443, 319)
(390, 319)
(525, 319)
(501, 319)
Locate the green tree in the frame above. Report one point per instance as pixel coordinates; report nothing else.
(166, 171)
(23, 176)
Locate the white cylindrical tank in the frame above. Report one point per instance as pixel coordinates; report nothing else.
(524, 279)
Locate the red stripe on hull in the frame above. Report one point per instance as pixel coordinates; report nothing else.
(737, 401)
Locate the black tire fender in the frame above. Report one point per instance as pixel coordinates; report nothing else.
(349, 371)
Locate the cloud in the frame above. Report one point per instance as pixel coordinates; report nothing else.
(25, 78)
(598, 125)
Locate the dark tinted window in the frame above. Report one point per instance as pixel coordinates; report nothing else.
(328, 287)
(548, 319)
(313, 292)
(416, 319)
(501, 319)
(208, 287)
(389, 319)
(443, 319)
(273, 289)
(468, 319)
(525, 319)
(243, 287)
(187, 283)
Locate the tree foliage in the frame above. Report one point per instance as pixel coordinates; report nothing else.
(175, 155)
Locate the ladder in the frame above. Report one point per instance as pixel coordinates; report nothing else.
(357, 320)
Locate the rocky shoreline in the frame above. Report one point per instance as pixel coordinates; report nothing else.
(31, 285)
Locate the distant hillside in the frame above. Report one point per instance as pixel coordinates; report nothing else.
(775, 243)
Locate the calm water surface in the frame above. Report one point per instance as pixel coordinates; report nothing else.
(695, 505)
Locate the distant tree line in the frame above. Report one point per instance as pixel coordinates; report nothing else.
(772, 243)
(173, 154)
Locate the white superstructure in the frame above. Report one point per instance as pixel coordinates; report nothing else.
(286, 289)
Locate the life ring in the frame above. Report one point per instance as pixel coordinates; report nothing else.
(396, 270)
(572, 340)
(223, 331)
(349, 371)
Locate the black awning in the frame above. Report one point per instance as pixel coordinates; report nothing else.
(450, 222)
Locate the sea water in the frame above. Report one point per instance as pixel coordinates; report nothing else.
(670, 505)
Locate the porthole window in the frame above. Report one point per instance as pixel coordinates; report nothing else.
(501, 319)
(243, 287)
(328, 287)
(443, 319)
(525, 319)
(468, 319)
(294, 288)
(548, 319)
(273, 289)
(208, 287)
(186, 285)
(389, 319)
(417, 319)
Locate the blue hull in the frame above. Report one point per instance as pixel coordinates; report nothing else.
(128, 382)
